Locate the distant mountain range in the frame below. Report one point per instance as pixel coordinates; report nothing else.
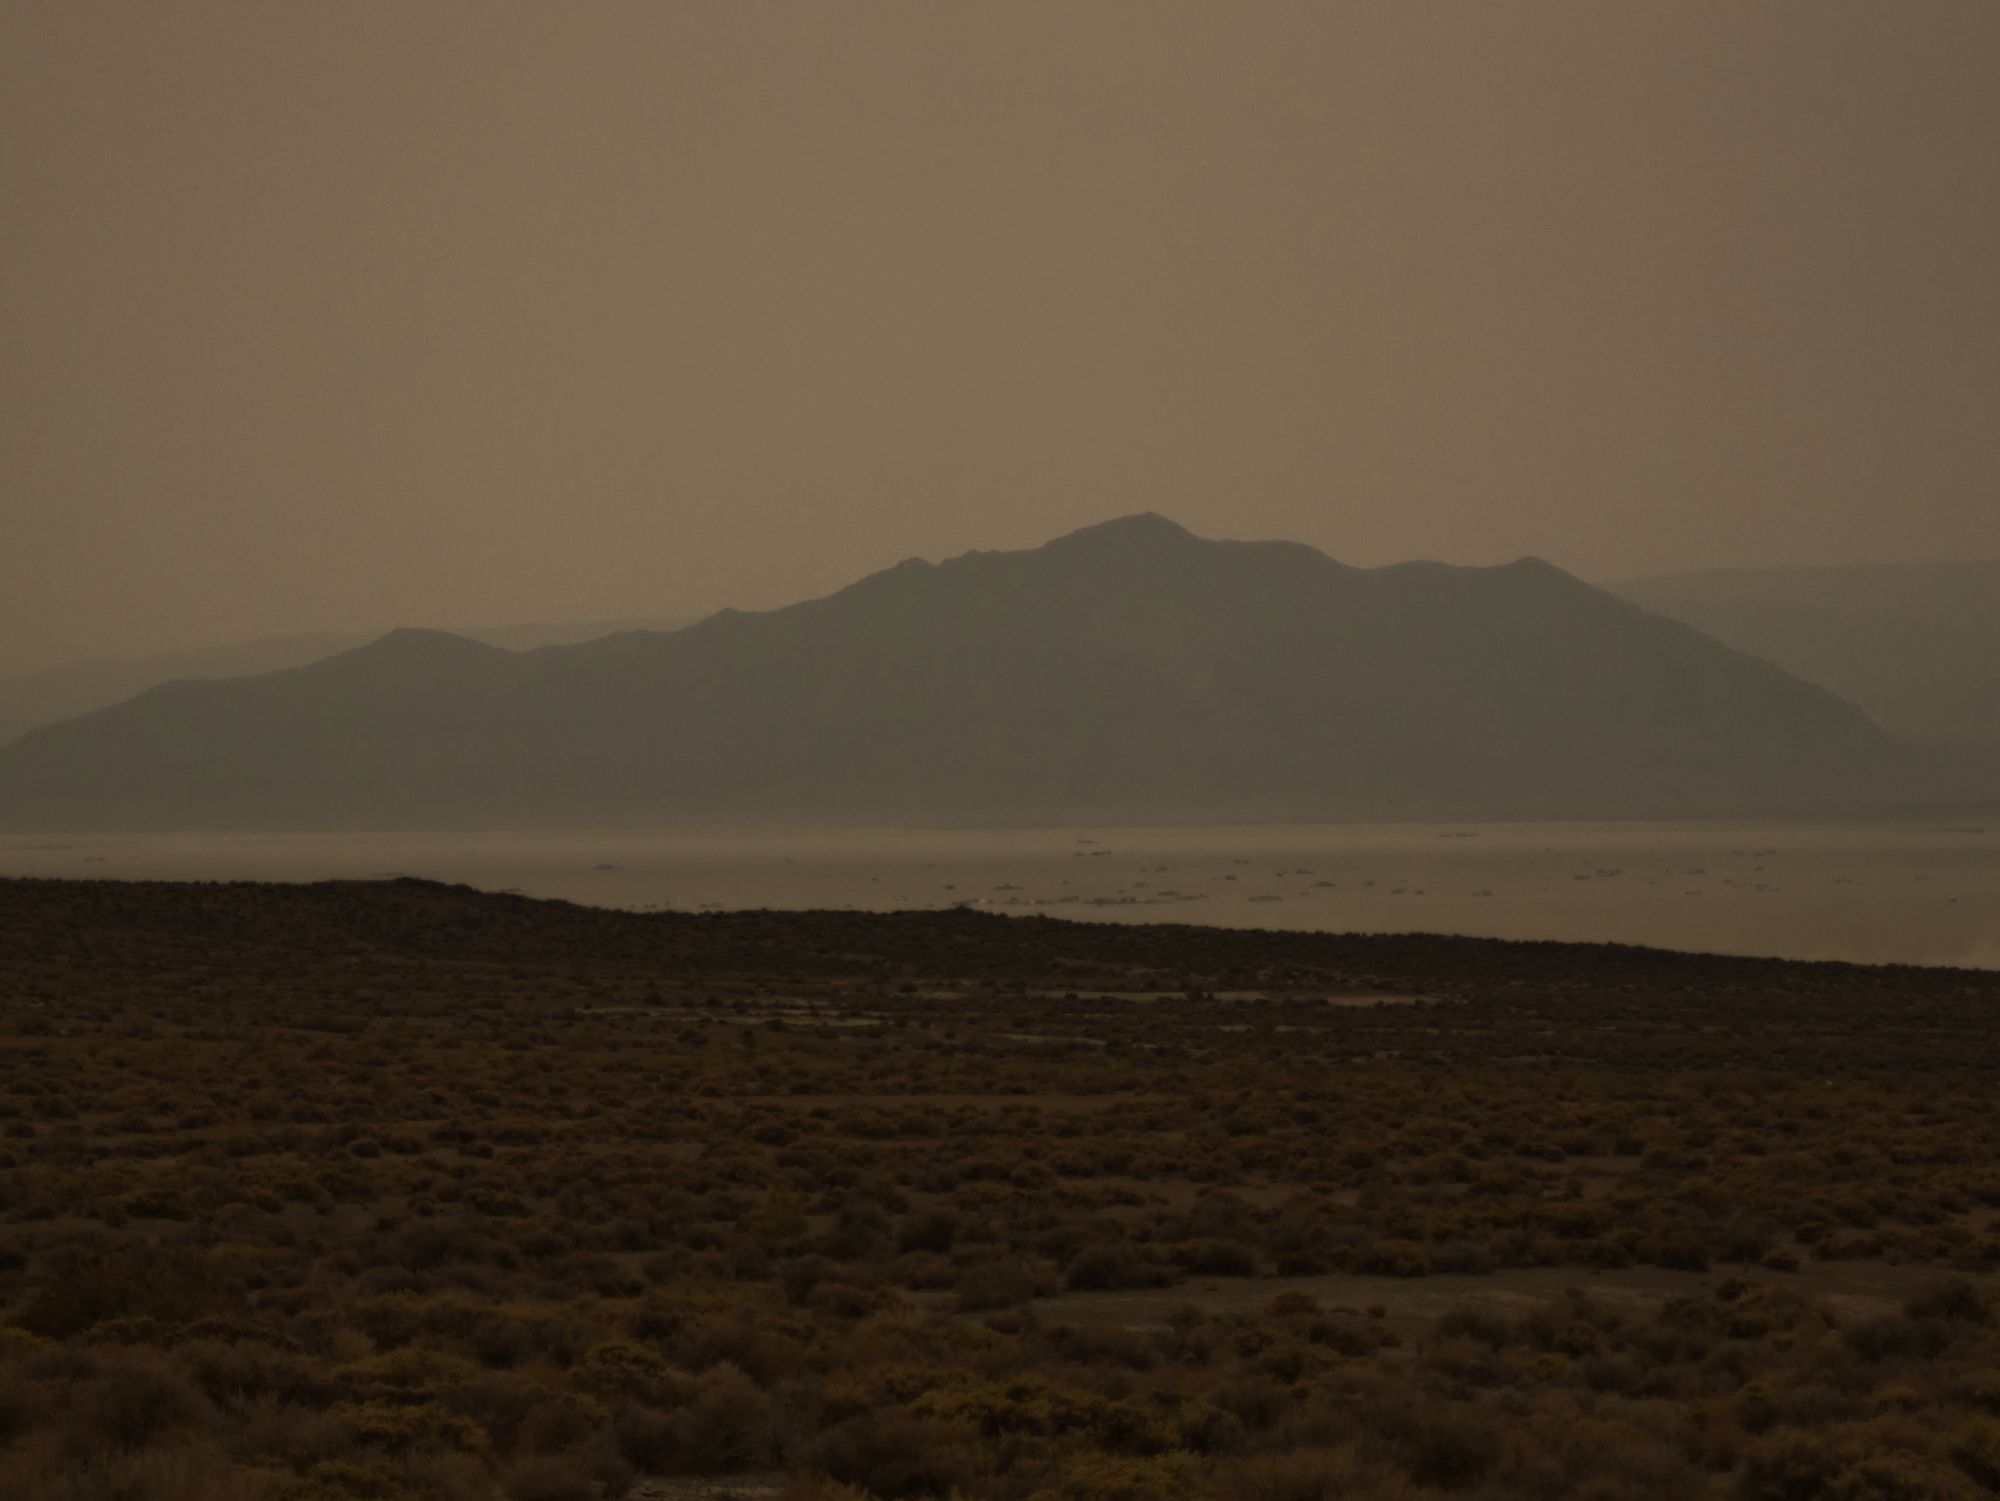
(40, 698)
(1129, 671)
(1916, 645)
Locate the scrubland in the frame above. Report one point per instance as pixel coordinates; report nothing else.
(396, 1190)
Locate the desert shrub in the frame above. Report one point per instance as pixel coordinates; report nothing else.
(799, 1276)
(1818, 1404)
(179, 1472)
(1395, 1258)
(730, 1425)
(1900, 1475)
(1975, 1449)
(1789, 1467)
(86, 1288)
(739, 1339)
(1303, 1259)
(18, 1344)
(1604, 1458)
(497, 1341)
(1451, 1446)
(927, 1272)
(1110, 1267)
(894, 1455)
(844, 1299)
(1204, 1428)
(1309, 1474)
(545, 1477)
(519, 1413)
(994, 1284)
(1253, 1400)
(236, 1372)
(632, 1371)
(1755, 1407)
(399, 1428)
(1098, 1477)
(1896, 1337)
(1102, 1345)
(931, 1230)
(1468, 1321)
(449, 1477)
(1475, 1256)
(407, 1370)
(138, 1397)
(1955, 1299)
(1678, 1250)
(1215, 1258)
(20, 1408)
(551, 1420)
(654, 1443)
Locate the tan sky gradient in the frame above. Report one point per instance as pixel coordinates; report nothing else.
(343, 315)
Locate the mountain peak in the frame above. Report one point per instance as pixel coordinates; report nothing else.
(1141, 529)
(415, 640)
(407, 648)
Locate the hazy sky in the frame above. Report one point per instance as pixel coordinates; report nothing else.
(351, 314)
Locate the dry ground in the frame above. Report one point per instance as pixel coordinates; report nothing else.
(390, 1189)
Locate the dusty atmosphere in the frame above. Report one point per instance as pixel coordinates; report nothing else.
(999, 750)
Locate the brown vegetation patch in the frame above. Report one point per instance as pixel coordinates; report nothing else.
(392, 1190)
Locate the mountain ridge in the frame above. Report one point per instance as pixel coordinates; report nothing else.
(1916, 645)
(53, 694)
(1126, 671)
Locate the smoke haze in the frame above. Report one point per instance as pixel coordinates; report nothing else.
(337, 317)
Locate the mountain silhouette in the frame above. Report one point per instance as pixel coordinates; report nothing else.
(1915, 645)
(64, 692)
(1129, 671)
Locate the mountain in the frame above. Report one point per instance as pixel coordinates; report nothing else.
(1129, 671)
(1916, 645)
(64, 692)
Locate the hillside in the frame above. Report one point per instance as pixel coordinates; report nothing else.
(34, 699)
(1916, 645)
(1128, 671)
